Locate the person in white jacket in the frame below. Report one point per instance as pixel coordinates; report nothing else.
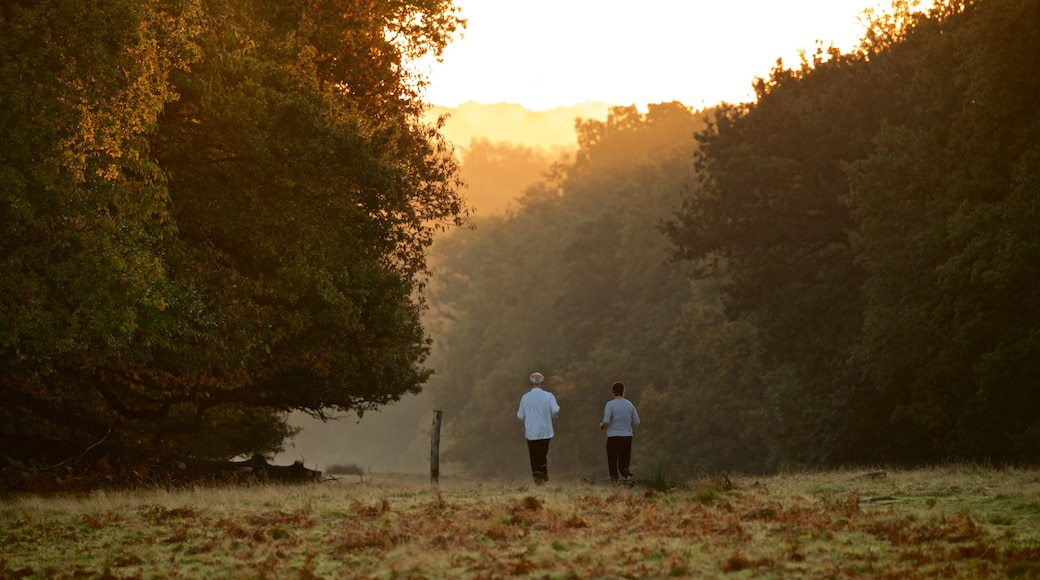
(538, 409)
(619, 418)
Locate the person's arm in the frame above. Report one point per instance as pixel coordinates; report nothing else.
(520, 411)
(635, 416)
(555, 409)
(606, 417)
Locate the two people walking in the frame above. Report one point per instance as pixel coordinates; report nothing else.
(538, 409)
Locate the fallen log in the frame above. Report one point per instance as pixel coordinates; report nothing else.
(103, 466)
(256, 467)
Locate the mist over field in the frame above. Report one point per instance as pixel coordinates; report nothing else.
(504, 148)
(841, 272)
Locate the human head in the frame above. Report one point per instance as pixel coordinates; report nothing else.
(618, 389)
(537, 379)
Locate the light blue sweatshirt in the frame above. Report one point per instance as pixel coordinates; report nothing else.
(620, 416)
(538, 409)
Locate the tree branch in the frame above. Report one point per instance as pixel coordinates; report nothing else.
(48, 411)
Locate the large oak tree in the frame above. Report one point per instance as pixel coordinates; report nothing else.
(212, 212)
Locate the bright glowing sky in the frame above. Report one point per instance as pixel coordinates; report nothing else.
(549, 53)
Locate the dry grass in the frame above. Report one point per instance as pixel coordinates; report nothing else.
(959, 521)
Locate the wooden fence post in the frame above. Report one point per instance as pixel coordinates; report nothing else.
(435, 449)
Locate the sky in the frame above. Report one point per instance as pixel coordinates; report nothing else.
(544, 54)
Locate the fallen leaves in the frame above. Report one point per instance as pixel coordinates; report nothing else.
(565, 531)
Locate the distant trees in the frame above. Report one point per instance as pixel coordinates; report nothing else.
(550, 129)
(856, 273)
(496, 173)
(211, 213)
(574, 283)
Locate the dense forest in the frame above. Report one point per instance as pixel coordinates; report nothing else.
(843, 271)
(212, 212)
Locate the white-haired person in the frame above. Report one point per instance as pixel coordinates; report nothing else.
(619, 419)
(538, 409)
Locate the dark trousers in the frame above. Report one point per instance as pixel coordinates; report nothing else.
(619, 454)
(538, 449)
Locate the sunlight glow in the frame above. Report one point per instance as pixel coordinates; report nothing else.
(549, 53)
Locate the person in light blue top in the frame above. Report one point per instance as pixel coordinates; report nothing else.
(538, 409)
(619, 419)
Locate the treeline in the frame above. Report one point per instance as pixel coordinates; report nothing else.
(497, 172)
(513, 123)
(211, 213)
(843, 271)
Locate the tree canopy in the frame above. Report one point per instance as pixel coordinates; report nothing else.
(212, 212)
(868, 215)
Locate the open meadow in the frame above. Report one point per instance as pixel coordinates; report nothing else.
(957, 521)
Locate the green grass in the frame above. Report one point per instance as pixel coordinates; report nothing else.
(959, 521)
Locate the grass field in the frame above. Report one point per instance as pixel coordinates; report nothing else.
(958, 521)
